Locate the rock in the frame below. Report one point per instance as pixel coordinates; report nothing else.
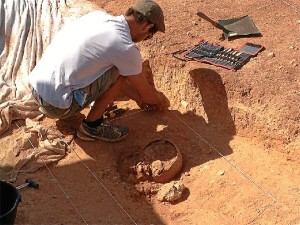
(190, 34)
(187, 174)
(170, 192)
(147, 188)
(161, 127)
(221, 172)
(184, 103)
(206, 167)
(143, 172)
(271, 54)
(293, 62)
(156, 167)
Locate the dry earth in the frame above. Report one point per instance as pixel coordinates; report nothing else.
(238, 132)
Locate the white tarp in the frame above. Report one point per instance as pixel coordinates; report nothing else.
(26, 29)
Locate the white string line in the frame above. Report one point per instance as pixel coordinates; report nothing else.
(94, 175)
(291, 5)
(72, 204)
(60, 186)
(231, 163)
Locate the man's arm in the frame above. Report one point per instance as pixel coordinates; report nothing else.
(149, 95)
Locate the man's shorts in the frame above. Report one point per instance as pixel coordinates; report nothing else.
(81, 98)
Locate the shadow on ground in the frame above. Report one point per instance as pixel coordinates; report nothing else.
(90, 173)
(199, 140)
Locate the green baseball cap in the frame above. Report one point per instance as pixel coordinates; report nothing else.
(152, 11)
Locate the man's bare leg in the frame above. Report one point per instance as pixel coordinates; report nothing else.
(104, 100)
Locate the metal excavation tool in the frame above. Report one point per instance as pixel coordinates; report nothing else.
(28, 183)
(233, 27)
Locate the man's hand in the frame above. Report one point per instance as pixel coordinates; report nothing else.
(162, 106)
(151, 99)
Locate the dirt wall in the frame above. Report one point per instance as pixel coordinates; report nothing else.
(254, 102)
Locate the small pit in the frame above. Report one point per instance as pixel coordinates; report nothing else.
(159, 161)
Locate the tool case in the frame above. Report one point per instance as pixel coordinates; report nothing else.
(220, 56)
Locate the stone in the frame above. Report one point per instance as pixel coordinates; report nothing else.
(156, 167)
(184, 103)
(221, 172)
(293, 62)
(170, 192)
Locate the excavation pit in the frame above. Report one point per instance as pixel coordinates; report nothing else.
(159, 161)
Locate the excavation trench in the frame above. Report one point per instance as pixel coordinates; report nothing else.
(229, 104)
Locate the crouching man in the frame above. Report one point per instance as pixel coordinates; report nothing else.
(87, 62)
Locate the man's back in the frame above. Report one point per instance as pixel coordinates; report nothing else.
(80, 53)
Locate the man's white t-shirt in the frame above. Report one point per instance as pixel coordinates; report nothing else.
(81, 52)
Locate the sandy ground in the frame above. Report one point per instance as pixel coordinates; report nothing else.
(228, 180)
(238, 132)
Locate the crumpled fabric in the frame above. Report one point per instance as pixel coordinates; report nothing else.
(18, 109)
(39, 146)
